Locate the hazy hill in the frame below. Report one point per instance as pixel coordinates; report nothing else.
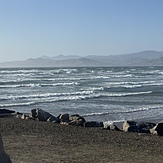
(40, 62)
(144, 58)
(62, 57)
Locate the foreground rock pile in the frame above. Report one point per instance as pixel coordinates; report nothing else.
(77, 120)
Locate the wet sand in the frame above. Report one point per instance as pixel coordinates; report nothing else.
(29, 141)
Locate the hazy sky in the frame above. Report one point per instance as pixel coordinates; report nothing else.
(32, 28)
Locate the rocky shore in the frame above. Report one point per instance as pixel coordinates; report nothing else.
(44, 142)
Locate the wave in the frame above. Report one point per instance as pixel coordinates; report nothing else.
(122, 76)
(131, 86)
(156, 83)
(18, 81)
(17, 104)
(36, 72)
(93, 89)
(18, 71)
(131, 83)
(124, 94)
(36, 79)
(111, 112)
(81, 95)
(60, 84)
(37, 83)
(17, 86)
(45, 95)
(48, 100)
(116, 112)
(40, 85)
(153, 72)
(99, 77)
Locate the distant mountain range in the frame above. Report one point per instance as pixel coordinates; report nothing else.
(144, 58)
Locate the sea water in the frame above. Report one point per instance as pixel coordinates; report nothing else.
(111, 94)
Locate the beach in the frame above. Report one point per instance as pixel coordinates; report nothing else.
(46, 142)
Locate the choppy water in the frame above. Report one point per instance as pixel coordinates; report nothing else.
(103, 94)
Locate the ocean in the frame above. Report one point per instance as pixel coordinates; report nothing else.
(108, 94)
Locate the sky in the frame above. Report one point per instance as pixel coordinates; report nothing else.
(33, 28)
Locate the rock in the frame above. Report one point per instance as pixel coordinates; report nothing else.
(129, 126)
(34, 113)
(4, 158)
(64, 118)
(41, 115)
(24, 116)
(145, 127)
(6, 111)
(93, 124)
(158, 129)
(141, 127)
(64, 123)
(76, 120)
(111, 126)
(53, 119)
(19, 116)
(114, 128)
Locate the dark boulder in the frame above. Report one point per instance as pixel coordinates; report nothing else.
(42, 115)
(140, 127)
(158, 129)
(76, 120)
(93, 124)
(114, 128)
(64, 118)
(6, 113)
(111, 126)
(53, 119)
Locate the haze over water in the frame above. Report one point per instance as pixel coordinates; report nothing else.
(100, 94)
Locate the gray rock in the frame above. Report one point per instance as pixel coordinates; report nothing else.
(129, 126)
(64, 118)
(64, 123)
(53, 119)
(158, 129)
(4, 158)
(114, 128)
(141, 127)
(76, 120)
(6, 111)
(93, 124)
(24, 116)
(42, 115)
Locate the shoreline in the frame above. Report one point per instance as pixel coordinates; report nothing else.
(8, 113)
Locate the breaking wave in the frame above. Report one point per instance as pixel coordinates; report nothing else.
(40, 85)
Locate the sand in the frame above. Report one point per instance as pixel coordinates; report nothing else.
(29, 141)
